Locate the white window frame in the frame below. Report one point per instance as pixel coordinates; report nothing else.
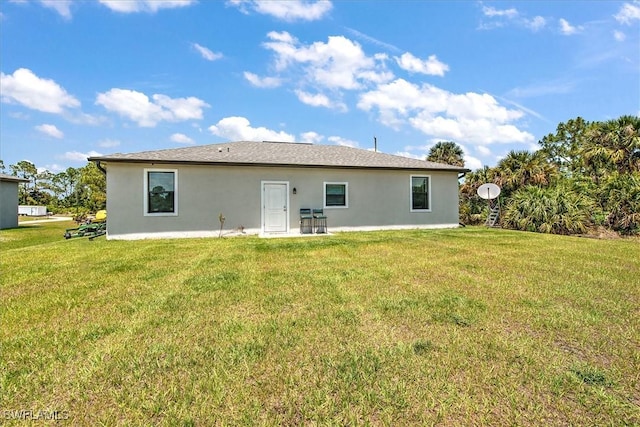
(411, 193)
(346, 195)
(145, 201)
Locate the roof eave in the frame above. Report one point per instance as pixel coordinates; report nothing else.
(16, 179)
(271, 165)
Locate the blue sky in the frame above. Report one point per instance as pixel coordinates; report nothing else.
(85, 78)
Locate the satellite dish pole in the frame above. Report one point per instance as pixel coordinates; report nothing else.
(490, 192)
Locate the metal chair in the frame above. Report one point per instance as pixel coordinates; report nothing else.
(306, 221)
(319, 221)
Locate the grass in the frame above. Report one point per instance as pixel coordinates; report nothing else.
(453, 327)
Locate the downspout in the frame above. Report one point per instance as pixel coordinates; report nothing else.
(460, 176)
(104, 171)
(99, 166)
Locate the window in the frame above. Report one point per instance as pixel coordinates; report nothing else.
(335, 195)
(420, 193)
(160, 192)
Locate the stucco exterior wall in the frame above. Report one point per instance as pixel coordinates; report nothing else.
(8, 204)
(376, 199)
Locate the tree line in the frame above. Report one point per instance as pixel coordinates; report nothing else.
(584, 177)
(75, 190)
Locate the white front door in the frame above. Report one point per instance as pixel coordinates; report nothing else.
(275, 206)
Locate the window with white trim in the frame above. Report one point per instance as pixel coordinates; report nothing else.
(160, 192)
(336, 195)
(420, 193)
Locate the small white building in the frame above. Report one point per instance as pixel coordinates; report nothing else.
(32, 210)
(9, 200)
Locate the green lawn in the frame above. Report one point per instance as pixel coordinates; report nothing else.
(470, 326)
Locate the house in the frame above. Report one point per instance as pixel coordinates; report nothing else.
(9, 200)
(260, 187)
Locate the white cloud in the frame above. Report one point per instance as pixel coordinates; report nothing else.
(619, 36)
(471, 162)
(493, 12)
(206, 52)
(150, 6)
(542, 89)
(311, 137)
(85, 119)
(319, 100)
(567, 29)
(321, 71)
(490, 26)
(181, 138)
(337, 140)
(483, 131)
(76, 156)
(137, 106)
(54, 168)
(470, 117)
(239, 129)
(375, 41)
(628, 13)
(483, 150)
(420, 147)
(536, 23)
(181, 109)
(523, 108)
(263, 82)
(50, 130)
(291, 10)
(109, 143)
(63, 7)
(431, 66)
(498, 18)
(337, 64)
(533, 147)
(24, 87)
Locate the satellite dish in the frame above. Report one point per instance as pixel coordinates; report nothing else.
(488, 191)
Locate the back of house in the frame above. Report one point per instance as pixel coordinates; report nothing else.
(260, 188)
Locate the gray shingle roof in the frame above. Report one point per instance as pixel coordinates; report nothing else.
(277, 154)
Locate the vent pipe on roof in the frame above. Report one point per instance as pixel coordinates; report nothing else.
(375, 144)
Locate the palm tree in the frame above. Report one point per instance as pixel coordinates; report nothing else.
(620, 195)
(473, 180)
(521, 168)
(556, 210)
(472, 208)
(446, 152)
(613, 146)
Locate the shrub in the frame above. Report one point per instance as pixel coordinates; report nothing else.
(620, 196)
(556, 210)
